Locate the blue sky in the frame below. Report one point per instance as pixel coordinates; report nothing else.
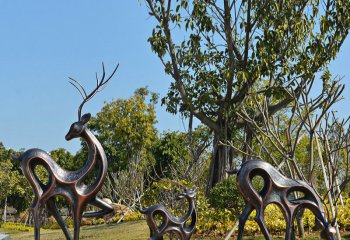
(44, 42)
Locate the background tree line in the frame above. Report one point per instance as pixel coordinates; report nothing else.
(247, 70)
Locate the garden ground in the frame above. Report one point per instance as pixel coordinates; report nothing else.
(133, 230)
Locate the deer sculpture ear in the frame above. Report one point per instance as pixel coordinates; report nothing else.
(85, 118)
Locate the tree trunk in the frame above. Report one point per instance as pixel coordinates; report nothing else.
(219, 163)
(5, 210)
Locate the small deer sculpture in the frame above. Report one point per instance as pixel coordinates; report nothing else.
(279, 190)
(69, 184)
(170, 223)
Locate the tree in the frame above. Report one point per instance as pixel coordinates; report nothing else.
(183, 156)
(64, 158)
(221, 53)
(170, 149)
(126, 129)
(11, 181)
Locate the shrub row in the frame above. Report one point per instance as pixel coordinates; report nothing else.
(16, 226)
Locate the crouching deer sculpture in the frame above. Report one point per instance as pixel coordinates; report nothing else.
(277, 189)
(170, 223)
(69, 184)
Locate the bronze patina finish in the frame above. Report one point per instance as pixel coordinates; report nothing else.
(279, 190)
(69, 184)
(170, 223)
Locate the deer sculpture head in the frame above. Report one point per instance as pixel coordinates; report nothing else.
(78, 127)
(188, 194)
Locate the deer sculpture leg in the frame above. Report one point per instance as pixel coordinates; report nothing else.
(36, 220)
(289, 230)
(77, 214)
(243, 218)
(289, 218)
(51, 206)
(156, 238)
(259, 218)
(98, 202)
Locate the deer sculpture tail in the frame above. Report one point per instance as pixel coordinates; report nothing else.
(15, 157)
(142, 210)
(233, 171)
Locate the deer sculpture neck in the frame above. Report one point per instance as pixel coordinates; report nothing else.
(191, 209)
(91, 142)
(95, 149)
(96, 155)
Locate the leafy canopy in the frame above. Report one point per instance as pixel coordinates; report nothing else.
(126, 128)
(222, 52)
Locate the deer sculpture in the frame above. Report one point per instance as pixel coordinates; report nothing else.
(279, 190)
(69, 184)
(170, 223)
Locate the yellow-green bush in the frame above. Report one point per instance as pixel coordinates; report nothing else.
(343, 217)
(131, 216)
(212, 221)
(226, 195)
(16, 226)
(98, 221)
(273, 218)
(218, 222)
(52, 224)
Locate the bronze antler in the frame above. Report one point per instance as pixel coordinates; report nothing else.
(100, 85)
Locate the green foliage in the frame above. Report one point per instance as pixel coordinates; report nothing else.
(9, 180)
(164, 191)
(212, 221)
(285, 41)
(170, 148)
(126, 129)
(343, 218)
(64, 158)
(13, 184)
(52, 224)
(185, 156)
(225, 195)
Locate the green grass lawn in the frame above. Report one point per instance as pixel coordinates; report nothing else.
(124, 231)
(129, 230)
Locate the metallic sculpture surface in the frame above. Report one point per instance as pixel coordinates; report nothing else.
(279, 190)
(170, 223)
(69, 184)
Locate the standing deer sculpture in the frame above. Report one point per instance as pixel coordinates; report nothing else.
(69, 184)
(170, 223)
(279, 190)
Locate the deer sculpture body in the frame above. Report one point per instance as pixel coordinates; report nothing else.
(69, 184)
(170, 223)
(279, 190)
